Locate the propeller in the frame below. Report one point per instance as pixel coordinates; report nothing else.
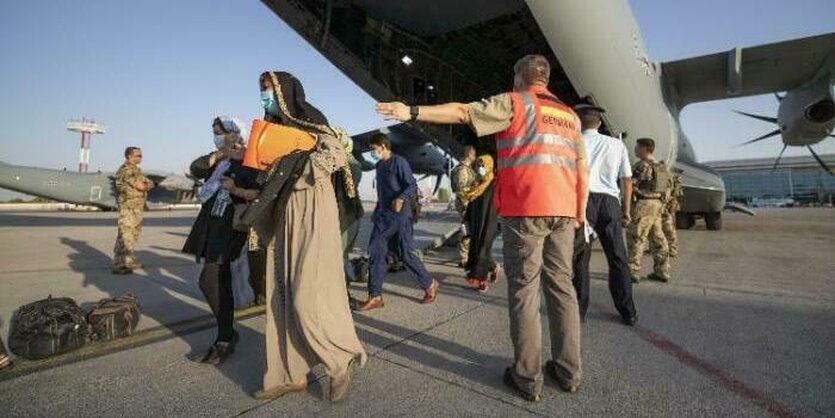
(820, 161)
(768, 135)
(777, 132)
(762, 118)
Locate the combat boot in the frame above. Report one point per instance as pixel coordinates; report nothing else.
(121, 270)
(659, 277)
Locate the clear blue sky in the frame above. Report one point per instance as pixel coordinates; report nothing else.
(156, 72)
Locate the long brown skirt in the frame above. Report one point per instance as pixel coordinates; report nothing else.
(308, 318)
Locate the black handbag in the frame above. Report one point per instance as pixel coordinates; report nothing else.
(276, 186)
(47, 327)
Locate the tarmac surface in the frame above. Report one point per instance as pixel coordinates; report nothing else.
(745, 329)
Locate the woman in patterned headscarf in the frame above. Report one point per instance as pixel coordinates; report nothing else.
(308, 319)
(212, 238)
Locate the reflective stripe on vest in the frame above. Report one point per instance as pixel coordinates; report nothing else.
(556, 160)
(537, 158)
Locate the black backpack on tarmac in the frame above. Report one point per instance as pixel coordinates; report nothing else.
(114, 317)
(47, 327)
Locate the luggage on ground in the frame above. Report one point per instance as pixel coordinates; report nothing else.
(114, 317)
(47, 327)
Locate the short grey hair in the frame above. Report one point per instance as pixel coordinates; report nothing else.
(533, 69)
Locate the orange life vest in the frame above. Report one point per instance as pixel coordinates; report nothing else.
(537, 157)
(270, 141)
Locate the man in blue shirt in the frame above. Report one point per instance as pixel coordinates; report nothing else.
(392, 221)
(609, 174)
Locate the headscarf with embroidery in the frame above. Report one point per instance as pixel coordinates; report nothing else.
(485, 161)
(294, 111)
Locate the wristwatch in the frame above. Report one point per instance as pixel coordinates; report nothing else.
(414, 111)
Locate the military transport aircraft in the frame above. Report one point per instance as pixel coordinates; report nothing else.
(434, 51)
(93, 189)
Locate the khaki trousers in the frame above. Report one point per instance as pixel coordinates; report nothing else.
(668, 225)
(538, 254)
(646, 224)
(130, 226)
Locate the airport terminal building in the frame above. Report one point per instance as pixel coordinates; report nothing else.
(797, 180)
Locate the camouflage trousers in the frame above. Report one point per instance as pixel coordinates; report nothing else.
(130, 225)
(668, 224)
(646, 224)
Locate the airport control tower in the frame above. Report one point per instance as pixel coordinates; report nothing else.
(87, 129)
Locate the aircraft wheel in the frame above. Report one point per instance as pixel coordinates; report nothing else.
(713, 220)
(684, 220)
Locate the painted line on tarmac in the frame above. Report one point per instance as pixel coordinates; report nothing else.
(707, 369)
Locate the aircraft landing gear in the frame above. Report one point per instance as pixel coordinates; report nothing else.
(684, 220)
(713, 221)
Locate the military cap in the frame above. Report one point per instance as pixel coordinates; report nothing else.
(588, 109)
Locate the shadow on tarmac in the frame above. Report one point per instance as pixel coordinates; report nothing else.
(158, 299)
(61, 219)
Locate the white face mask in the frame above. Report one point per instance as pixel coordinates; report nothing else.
(220, 140)
(482, 171)
(373, 156)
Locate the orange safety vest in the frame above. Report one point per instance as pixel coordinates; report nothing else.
(537, 157)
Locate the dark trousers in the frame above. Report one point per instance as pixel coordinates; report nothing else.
(482, 227)
(604, 214)
(216, 285)
(397, 227)
(258, 272)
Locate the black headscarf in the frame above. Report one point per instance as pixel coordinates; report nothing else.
(293, 109)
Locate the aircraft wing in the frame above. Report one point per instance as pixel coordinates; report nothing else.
(750, 71)
(172, 182)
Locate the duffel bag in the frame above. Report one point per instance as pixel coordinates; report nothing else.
(47, 327)
(114, 317)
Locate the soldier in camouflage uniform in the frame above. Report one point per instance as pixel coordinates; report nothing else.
(463, 179)
(646, 214)
(132, 188)
(672, 203)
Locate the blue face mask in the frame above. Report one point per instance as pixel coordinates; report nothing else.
(268, 102)
(372, 156)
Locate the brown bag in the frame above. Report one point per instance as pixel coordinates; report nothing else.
(114, 317)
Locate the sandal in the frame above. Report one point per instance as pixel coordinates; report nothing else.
(218, 352)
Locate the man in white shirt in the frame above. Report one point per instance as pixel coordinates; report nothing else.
(606, 212)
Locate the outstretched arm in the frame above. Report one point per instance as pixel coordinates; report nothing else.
(448, 113)
(485, 117)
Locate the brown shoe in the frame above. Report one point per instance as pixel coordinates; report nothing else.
(551, 370)
(279, 391)
(432, 292)
(375, 302)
